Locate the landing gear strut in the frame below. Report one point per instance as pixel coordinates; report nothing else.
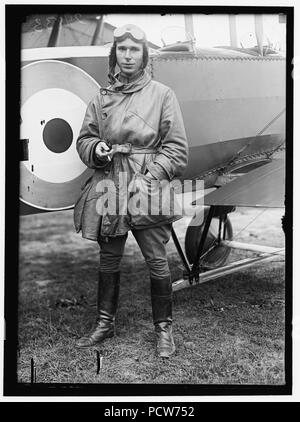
(202, 243)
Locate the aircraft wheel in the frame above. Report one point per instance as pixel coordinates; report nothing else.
(218, 255)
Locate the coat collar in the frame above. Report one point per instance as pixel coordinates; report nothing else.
(118, 84)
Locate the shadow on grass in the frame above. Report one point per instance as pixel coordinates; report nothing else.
(228, 331)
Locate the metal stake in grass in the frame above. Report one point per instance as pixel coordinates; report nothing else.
(99, 361)
(33, 372)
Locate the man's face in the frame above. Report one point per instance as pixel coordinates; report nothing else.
(129, 56)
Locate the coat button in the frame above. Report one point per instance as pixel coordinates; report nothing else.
(104, 116)
(103, 91)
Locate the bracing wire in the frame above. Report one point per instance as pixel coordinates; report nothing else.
(247, 225)
(252, 140)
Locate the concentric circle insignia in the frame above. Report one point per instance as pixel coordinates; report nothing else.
(54, 98)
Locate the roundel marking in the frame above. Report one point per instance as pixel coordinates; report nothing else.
(37, 113)
(57, 135)
(54, 97)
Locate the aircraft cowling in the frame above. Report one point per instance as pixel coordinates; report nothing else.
(54, 97)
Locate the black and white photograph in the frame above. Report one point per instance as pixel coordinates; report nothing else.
(148, 227)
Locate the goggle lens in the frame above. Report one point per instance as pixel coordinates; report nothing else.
(135, 32)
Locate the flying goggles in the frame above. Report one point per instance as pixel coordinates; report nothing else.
(131, 30)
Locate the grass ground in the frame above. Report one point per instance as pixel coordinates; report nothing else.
(227, 331)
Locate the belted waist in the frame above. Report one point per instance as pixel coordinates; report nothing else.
(130, 149)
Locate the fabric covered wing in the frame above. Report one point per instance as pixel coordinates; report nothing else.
(262, 187)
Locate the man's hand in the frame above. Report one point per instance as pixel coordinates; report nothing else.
(103, 151)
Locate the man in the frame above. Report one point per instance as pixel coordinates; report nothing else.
(134, 128)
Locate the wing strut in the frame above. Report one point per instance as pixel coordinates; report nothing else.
(55, 32)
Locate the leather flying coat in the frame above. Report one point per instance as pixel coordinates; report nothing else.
(143, 122)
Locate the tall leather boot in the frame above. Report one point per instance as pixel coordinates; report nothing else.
(161, 297)
(107, 301)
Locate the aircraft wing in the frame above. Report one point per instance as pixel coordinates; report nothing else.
(262, 187)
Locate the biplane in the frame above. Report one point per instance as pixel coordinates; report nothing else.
(233, 101)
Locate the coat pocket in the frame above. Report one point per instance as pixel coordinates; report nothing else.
(152, 202)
